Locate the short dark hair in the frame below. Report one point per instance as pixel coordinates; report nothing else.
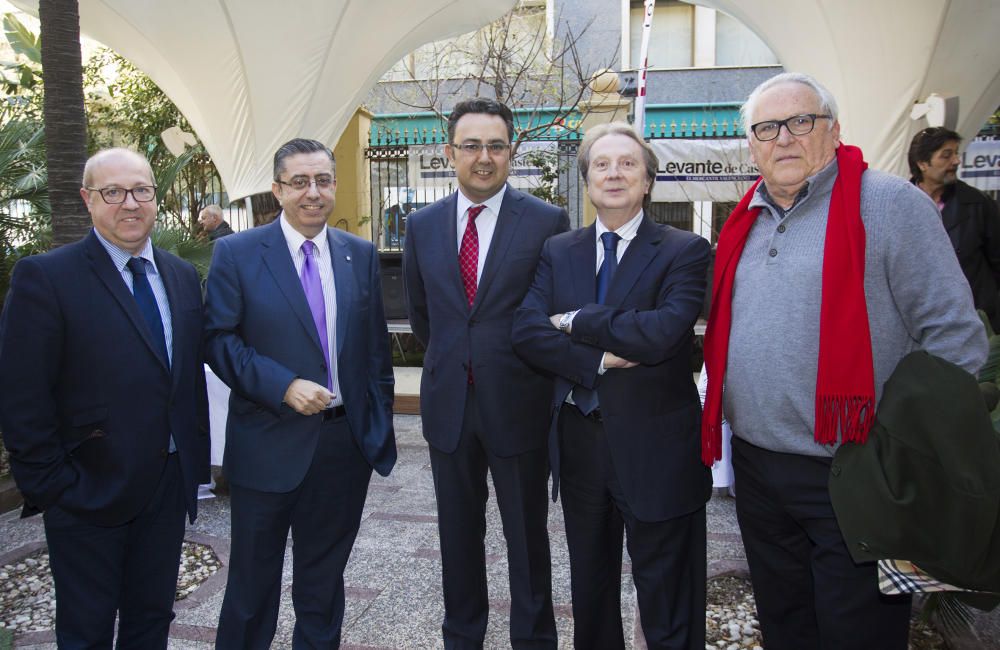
(295, 147)
(924, 144)
(481, 105)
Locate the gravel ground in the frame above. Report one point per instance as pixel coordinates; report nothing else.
(27, 602)
(731, 620)
(28, 597)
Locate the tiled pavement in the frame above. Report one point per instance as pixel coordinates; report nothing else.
(393, 579)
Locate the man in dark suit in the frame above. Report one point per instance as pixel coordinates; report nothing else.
(104, 412)
(295, 327)
(468, 261)
(625, 443)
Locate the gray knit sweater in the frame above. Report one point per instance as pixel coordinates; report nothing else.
(916, 294)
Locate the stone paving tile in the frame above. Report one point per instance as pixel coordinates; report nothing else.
(394, 577)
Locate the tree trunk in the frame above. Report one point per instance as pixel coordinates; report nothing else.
(65, 119)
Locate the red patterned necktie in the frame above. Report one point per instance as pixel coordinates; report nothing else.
(468, 254)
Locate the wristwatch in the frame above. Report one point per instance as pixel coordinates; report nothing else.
(565, 321)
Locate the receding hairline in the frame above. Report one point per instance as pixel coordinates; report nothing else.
(104, 156)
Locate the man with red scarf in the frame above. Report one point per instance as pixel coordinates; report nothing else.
(827, 274)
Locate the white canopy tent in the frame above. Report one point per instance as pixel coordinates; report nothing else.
(251, 74)
(880, 57)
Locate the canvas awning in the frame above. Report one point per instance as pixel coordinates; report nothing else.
(251, 74)
(879, 58)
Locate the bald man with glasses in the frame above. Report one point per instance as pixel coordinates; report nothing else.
(104, 411)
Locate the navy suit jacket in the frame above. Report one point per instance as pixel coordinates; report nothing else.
(512, 397)
(260, 335)
(651, 412)
(87, 407)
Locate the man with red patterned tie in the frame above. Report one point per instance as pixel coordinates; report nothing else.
(468, 261)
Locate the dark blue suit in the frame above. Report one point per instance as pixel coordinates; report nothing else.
(499, 422)
(643, 455)
(87, 408)
(260, 336)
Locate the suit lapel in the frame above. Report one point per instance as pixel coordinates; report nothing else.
(446, 248)
(508, 222)
(276, 257)
(343, 279)
(583, 260)
(106, 272)
(637, 257)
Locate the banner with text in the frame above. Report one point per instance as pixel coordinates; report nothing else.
(703, 170)
(428, 166)
(981, 164)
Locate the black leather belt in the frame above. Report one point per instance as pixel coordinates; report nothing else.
(334, 413)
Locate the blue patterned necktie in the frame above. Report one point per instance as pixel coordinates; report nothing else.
(150, 311)
(608, 267)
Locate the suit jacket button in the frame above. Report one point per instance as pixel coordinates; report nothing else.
(835, 470)
(163, 453)
(864, 546)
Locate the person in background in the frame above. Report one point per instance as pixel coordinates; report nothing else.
(970, 217)
(211, 222)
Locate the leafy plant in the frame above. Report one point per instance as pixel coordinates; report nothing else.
(181, 243)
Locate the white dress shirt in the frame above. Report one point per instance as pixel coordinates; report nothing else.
(324, 263)
(486, 224)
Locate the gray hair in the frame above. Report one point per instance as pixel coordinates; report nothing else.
(213, 210)
(827, 104)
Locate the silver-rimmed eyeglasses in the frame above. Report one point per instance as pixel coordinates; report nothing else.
(299, 183)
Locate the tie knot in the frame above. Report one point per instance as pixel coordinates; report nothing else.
(474, 211)
(137, 265)
(610, 241)
(308, 247)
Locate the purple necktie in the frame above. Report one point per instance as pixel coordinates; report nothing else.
(314, 295)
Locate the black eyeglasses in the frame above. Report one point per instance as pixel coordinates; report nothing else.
(473, 148)
(796, 125)
(299, 183)
(116, 195)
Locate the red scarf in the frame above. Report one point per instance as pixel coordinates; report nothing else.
(845, 379)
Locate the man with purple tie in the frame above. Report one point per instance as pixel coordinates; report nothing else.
(295, 327)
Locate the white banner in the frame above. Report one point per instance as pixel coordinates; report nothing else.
(429, 167)
(703, 170)
(981, 164)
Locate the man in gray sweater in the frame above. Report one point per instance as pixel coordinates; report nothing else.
(827, 274)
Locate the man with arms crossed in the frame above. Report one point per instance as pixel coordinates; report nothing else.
(611, 313)
(295, 327)
(104, 412)
(467, 262)
(821, 287)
